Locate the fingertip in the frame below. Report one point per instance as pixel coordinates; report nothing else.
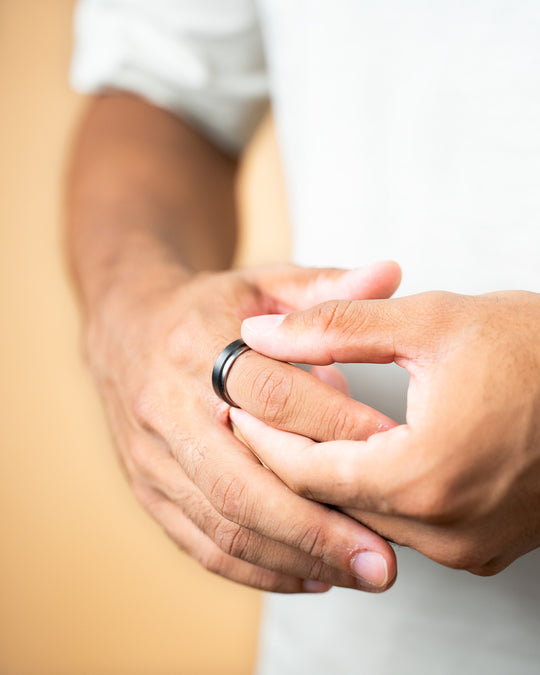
(376, 570)
(393, 270)
(378, 280)
(249, 427)
(392, 264)
(240, 418)
(256, 328)
(386, 267)
(332, 376)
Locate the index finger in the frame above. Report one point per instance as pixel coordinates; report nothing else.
(291, 399)
(342, 473)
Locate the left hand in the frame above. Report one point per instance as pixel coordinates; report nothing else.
(460, 481)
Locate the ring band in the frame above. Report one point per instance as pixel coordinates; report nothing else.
(222, 368)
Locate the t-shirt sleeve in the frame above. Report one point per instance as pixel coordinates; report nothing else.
(201, 59)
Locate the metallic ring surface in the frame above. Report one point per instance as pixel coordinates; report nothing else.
(222, 368)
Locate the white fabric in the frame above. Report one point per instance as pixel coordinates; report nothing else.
(202, 59)
(409, 130)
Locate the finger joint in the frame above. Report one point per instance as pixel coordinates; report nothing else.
(228, 496)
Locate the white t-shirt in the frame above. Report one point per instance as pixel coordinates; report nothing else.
(409, 130)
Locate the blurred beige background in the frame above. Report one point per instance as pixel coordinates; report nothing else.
(88, 583)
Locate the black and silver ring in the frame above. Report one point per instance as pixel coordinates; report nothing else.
(222, 368)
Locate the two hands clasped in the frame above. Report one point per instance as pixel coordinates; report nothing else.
(319, 482)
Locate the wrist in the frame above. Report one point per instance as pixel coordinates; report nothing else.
(121, 298)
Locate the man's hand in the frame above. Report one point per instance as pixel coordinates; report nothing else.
(153, 357)
(460, 482)
(152, 220)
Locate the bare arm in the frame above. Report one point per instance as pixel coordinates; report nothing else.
(152, 220)
(147, 192)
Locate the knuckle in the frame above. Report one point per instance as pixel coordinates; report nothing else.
(146, 498)
(464, 555)
(438, 308)
(141, 459)
(179, 341)
(436, 298)
(232, 539)
(192, 454)
(433, 504)
(317, 571)
(490, 568)
(302, 488)
(214, 561)
(314, 542)
(228, 496)
(272, 389)
(348, 488)
(146, 406)
(339, 425)
(463, 550)
(182, 342)
(436, 509)
(188, 500)
(334, 315)
(267, 581)
(344, 484)
(338, 323)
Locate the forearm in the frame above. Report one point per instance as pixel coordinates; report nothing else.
(150, 201)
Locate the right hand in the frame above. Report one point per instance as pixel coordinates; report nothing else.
(152, 357)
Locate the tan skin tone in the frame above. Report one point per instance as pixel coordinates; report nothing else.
(460, 481)
(152, 226)
(152, 231)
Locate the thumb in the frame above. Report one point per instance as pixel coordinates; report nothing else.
(301, 287)
(369, 331)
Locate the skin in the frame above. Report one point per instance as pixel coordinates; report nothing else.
(460, 481)
(152, 233)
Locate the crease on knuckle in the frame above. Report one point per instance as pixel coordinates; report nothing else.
(339, 424)
(232, 539)
(329, 316)
(339, 321)
(227, 495)
(314, 542)
(272, 389)
(317, 570)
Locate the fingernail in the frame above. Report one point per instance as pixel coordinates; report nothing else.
(262, 324)
(370, 567)
(311, 586)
